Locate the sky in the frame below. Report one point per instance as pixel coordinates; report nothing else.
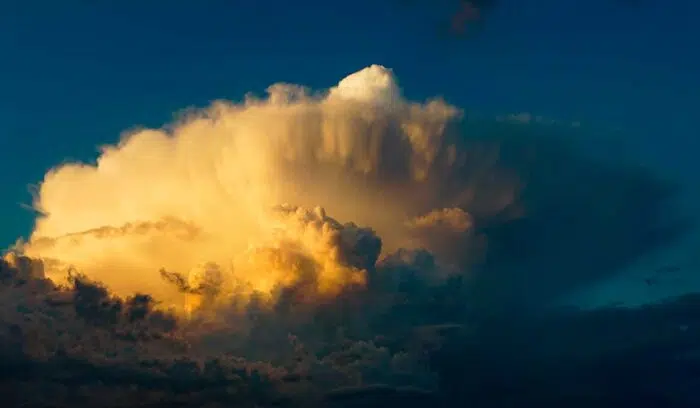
(77, 75)
(441, 245)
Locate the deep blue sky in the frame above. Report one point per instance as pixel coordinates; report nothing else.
(74, 74)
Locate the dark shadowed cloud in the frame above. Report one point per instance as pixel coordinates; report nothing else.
(464, 18)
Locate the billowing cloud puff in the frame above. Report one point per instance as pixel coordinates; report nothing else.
(374, 84)
(338, 253)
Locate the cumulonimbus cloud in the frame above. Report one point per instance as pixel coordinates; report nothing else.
(349, 241)
(214, 186)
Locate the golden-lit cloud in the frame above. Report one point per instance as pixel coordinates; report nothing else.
(211, 189)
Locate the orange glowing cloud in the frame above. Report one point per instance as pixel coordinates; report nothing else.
(211, 189)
